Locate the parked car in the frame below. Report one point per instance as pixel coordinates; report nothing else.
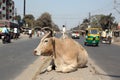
(75, 35)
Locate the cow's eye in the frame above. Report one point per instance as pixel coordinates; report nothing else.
(46, 41)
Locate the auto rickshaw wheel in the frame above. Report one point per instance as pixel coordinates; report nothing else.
(85, 43)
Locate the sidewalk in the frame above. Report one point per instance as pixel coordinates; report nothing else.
(116, 41)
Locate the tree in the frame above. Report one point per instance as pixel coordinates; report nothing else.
(55, 27)
(17, 18)
(84, 24)
(44, 20)
(107, 21)
(86, 20)
(95, 21)
(29, 19)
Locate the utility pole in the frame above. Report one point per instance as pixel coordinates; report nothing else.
(15, 11)
(89, 24)
(24, 12)
(24, 8)
(89, 17)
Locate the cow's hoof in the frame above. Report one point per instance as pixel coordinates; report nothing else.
(49, 68)
(58, 70)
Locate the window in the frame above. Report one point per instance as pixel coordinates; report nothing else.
(3, 15)
(4, 1)
(93, 31)
(9, 4)
(3, 8)
(10, 17)
(10, 10)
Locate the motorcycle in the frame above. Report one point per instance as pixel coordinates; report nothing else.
(107, 40)
(5, 38)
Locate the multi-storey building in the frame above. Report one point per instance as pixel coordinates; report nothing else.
(7, 10)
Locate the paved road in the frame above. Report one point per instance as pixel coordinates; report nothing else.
(15, 57)
(106, 57)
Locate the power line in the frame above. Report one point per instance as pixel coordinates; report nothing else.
(116, 4)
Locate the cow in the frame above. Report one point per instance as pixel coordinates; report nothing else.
(67, 54)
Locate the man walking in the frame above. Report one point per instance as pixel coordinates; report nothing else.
(15, 32)
(64, 30)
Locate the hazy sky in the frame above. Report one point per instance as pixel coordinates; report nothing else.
(69, 12)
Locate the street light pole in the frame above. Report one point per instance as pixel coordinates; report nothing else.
(24, 8)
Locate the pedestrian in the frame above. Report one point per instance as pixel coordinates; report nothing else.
(15, 32)
(30, 33)
(38, 33)
(64, 31)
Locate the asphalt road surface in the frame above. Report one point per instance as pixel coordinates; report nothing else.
(15, 57)
(107, 57)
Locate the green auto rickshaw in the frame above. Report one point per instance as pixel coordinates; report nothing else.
(92, 37)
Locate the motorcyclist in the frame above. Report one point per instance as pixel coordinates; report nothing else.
(109, 36)
(30, 33)
(5, 33)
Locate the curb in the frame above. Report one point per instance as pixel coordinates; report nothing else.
(30, 72)
(33, 69)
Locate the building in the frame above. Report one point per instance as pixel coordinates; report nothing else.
(7, 10)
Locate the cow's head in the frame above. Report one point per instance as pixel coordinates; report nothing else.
(45, 47)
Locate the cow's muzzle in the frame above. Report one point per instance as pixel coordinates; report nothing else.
(36, 53)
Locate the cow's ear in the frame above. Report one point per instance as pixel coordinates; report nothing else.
(53, 41)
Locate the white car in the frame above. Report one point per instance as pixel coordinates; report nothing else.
(75, 35)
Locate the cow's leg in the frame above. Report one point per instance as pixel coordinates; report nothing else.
(69, 68)
(51, 66)
(82, 59)
(58, 69)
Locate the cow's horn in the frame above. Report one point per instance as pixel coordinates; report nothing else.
(48, 29)
(48, 34)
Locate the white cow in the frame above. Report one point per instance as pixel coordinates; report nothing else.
(68, 55)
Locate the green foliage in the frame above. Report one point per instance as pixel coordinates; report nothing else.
(18, 18)
(44, 20)
(29, 19)
(99, 21)
(29, 16)
(86, 21)
(107, 21)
